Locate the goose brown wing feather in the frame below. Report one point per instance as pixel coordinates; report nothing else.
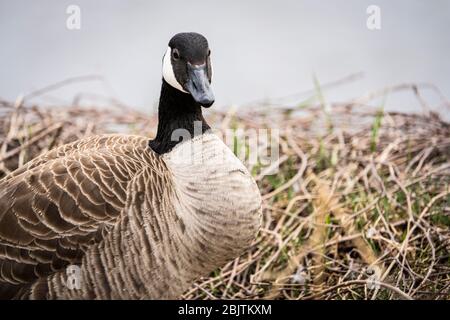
(59, 204)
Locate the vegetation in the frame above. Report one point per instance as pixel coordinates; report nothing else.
(359, 209)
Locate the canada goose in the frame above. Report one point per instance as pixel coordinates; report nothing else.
(141, 219)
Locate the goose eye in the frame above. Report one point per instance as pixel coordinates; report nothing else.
(175, 54)
(209, 53)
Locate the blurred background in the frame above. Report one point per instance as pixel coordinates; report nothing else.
(352, 194)
(262, 50)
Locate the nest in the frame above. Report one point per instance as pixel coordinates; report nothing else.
(359, 208)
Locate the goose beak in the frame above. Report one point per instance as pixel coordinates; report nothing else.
(198, 85)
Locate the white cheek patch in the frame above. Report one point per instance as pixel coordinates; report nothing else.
(211, 66)
(168, 73)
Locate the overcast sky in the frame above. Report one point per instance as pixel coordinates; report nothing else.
(260, 49)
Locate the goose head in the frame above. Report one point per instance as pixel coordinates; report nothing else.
(187, 66)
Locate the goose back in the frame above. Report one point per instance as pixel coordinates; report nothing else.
(63, 202)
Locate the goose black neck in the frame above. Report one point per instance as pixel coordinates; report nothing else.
(177, 110)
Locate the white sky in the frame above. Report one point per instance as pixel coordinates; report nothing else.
(260, 49)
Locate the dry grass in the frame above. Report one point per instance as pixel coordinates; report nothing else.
(359, 210)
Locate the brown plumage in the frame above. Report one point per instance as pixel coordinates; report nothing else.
(138, 223)
(61, 203)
